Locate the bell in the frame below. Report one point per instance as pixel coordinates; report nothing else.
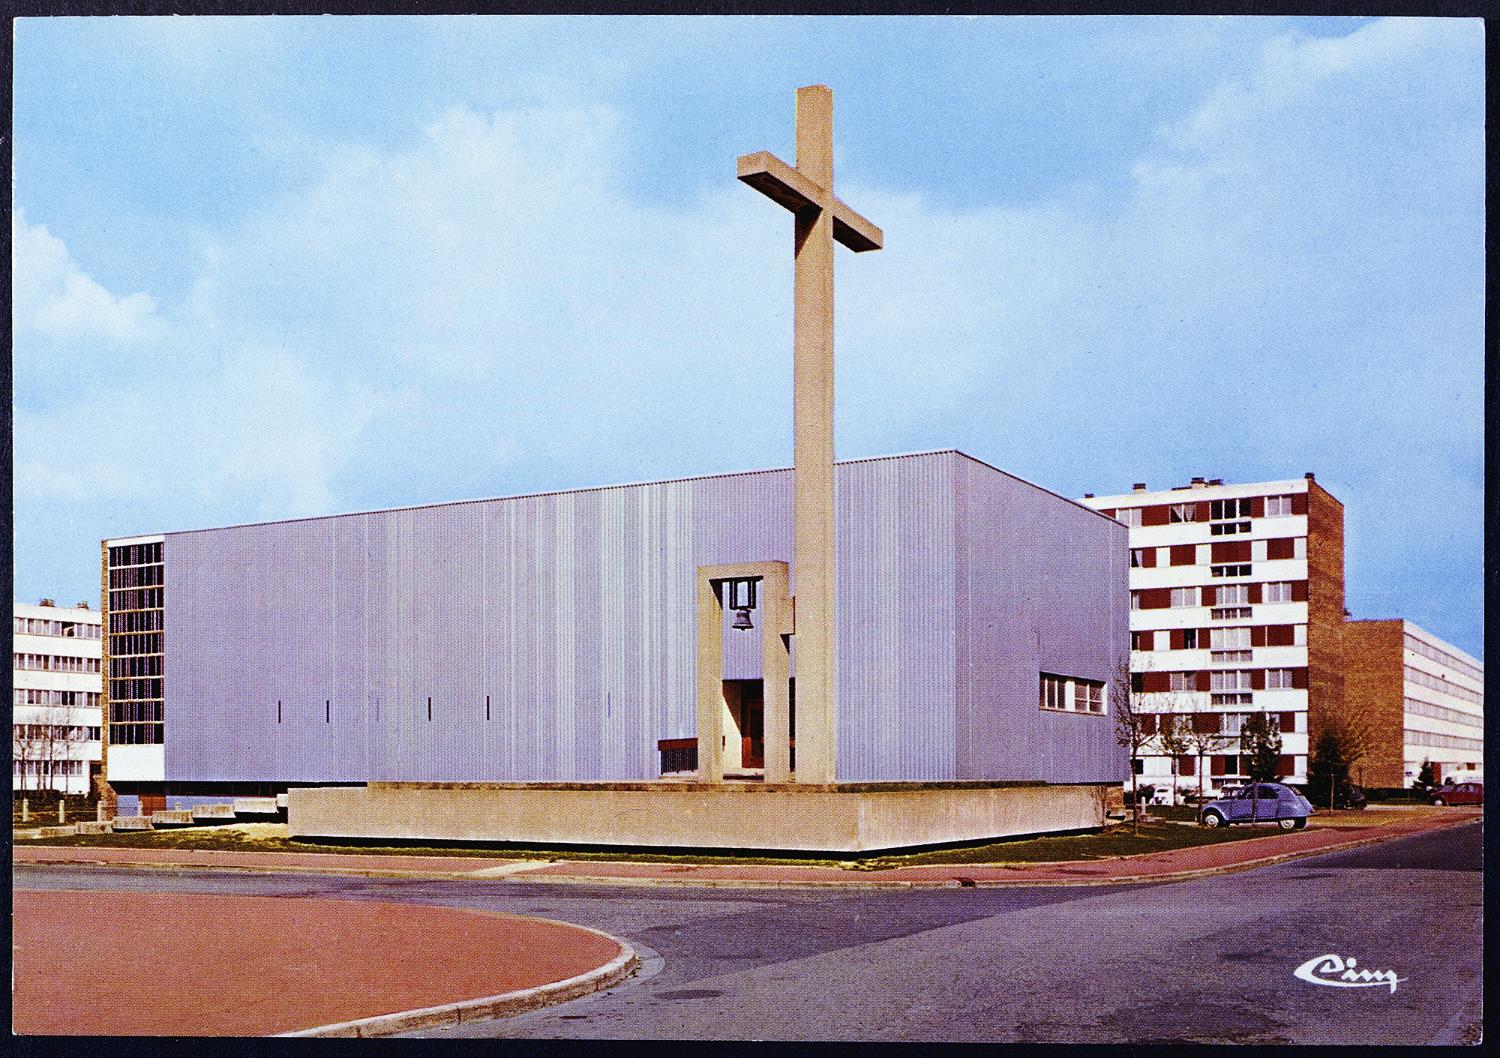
(742, 620)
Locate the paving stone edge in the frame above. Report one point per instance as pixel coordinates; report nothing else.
(487, 1008)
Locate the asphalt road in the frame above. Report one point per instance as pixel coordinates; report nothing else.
(1209, 960)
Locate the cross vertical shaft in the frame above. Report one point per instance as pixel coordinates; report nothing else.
(812, 448)
(821, 220)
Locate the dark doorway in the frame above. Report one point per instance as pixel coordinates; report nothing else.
(752, 722)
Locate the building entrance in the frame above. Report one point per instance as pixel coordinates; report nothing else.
(745, 734)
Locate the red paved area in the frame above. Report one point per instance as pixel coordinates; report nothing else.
(208, 965)
(355, 862)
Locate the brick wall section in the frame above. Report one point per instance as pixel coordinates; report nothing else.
(1373, 688)
(1325, 607)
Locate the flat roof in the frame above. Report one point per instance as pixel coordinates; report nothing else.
(116, 540)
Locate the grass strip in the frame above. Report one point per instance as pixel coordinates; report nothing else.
(1114, 842)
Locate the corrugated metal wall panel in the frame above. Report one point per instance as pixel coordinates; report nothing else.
(574, 613)
(1042, 585)
(895, 625)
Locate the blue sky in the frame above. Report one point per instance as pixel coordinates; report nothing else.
(271, 267)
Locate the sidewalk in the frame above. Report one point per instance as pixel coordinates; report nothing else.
(215, 965)
(1178, 863)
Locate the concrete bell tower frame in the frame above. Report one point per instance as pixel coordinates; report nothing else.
(776, 627)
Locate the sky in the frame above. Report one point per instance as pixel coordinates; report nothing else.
(275, 267)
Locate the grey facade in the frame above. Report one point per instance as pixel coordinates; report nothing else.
(553, 634)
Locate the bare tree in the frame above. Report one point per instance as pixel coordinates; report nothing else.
(1204, 743)
(50, 737)
(1172, 733)
(1342, 740)
(25, 750)
(1130, 730)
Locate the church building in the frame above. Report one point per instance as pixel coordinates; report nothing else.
(879, 653)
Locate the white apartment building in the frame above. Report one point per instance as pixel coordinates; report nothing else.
(1237, 595)
(56, 715)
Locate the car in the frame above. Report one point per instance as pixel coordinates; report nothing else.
(1353, 796)
(1346, 795)
(1262, 802)
(1457, 793)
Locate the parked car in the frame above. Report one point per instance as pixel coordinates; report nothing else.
(1347, 795)
(1265, 802)
(1457, 793)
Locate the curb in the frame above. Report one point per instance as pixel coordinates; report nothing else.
(487, 1008)
(958, 879)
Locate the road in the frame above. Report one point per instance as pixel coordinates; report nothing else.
(1209, 960)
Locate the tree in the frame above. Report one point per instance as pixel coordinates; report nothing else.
(1130, 730)
(25, 750)
(1260, 742)
(1172, 734)
(1204, 743)
(1426, 778)
(1341, 742)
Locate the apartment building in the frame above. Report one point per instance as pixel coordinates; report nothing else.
(1236, 608)
(56, 713)
(1422, 699)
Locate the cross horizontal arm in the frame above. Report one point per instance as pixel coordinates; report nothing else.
(779, 182)
(783, 184)
(854, 231)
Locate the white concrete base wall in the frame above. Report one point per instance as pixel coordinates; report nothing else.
(684, 815)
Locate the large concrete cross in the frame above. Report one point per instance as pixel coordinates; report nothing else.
(821, 219)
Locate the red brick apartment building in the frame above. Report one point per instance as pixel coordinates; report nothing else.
(1237, 607)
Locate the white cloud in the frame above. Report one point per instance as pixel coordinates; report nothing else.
(56, 298)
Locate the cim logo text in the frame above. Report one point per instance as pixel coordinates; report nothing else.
(1337, 972)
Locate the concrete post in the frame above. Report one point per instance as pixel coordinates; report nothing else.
(821, 220)
(812, 427)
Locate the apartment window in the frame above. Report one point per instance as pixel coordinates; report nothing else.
(1142, 640)
(1190, 639)
(1184, 596)
(1438, 712)
(1219, 510)
(1428, 738)
(1181, 681)
(1235, 698)
(1131, 516)
(1278, 506)
(1135, 600)
(1230, 613)
(1443, 657)
(1232, 595)
(1183, 512)
(1240, 570)
(1446, 686)
(1229, 657)
(1228, 528)
(1054, 693)
(1277, 591)
(1227, 638)
(1278, 679)
(1230, 680)
(1138, 557)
